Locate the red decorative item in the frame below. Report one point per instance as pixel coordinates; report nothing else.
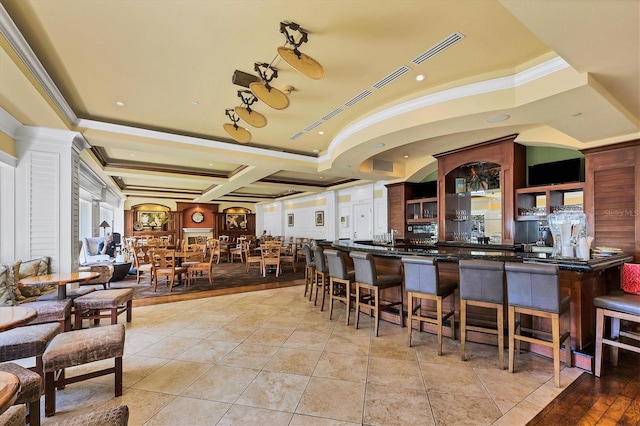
(631, 278)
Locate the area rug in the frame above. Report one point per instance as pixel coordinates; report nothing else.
(227, 278)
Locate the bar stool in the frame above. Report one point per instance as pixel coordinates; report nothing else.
(309, 270)
(535, 290)
(422, 281)
(340, 280)
(368, 279)
(321, 279)
(482, 284)
(617, 306)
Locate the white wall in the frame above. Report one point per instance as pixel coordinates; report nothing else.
(273, 217)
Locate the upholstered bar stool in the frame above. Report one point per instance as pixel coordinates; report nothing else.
(482, 284)
(309, 270)
(422, 281)
(368, 279)
(26, 342)
(340, 280)
(321, 280)
(617, 306)
(30, 390)
(535, 290)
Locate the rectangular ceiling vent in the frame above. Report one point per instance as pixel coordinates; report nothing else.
(382, 165)
(296, 136)
(443, 45)
(332, 114)
(313, 126)
(358, 98)
(391, 77)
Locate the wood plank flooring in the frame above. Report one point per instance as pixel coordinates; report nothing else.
(612, 399)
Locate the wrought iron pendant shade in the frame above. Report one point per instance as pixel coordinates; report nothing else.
(240, 134)
(245, 112)
(271, 96)
(299, 61)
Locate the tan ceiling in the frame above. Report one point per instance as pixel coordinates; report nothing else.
(567, 74)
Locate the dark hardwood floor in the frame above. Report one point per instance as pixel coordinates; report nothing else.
(612, 399)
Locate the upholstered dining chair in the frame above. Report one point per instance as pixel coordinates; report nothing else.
(422, 281)
(482, 284)
(321, 279)
(200, 267)
(341, 281)
(535, 290)
(368, 279)
(309, 270)
(166, 267)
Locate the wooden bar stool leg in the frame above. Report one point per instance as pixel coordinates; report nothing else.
(463, 329)
(357, 304)
(512, 327)
(500, 322)
(599, 333)
(409, 316)
(376, 310)
(555, 331)
(439, 323)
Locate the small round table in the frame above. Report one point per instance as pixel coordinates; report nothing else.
(120, 270)
(59, 279)
(13, 316)
(9, 385)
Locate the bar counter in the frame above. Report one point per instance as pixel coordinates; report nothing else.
(581, 279)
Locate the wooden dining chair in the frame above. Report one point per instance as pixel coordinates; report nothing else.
(252, 259)
(214, 248)
(200, 267)
(166, 267)
(271, 256)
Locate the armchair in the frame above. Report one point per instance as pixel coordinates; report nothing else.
(91, 252)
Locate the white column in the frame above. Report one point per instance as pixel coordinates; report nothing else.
(331, 215)
(47, 194)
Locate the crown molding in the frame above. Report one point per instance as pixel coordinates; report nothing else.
(20, 46)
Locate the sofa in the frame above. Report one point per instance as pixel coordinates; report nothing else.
(12, 294)
(90, 249)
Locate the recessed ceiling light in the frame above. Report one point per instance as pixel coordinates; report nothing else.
(377, 145)
(420, 77)
(498, 118)
(195, 103)
(316, 151)
(211, 164)
(406, 156)
(321, 132)
(321, 177)
(133, 155)
(119, 103)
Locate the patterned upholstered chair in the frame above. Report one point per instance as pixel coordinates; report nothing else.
(90, 248)
(14, 416)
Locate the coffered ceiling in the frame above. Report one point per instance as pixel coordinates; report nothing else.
(148, 83)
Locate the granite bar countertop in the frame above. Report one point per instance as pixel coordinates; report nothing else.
(448, 253)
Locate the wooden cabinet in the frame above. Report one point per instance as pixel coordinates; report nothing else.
(537, 203)
(612, 196)
(422, 210)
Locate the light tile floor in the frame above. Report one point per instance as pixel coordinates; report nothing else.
(272, 358)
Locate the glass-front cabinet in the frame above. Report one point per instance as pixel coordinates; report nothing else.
(422, 210)
(473, 199)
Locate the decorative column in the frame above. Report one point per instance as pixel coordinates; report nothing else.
(47, 195)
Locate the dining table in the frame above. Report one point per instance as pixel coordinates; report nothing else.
(9, 386)
(61, 279)
(13, 316)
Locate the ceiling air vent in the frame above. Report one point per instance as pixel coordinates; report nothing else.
(296, 136)
(312, 126)
(391, 77)
(358, 98)
(332, 114)
(443, 45)
(382, 165)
